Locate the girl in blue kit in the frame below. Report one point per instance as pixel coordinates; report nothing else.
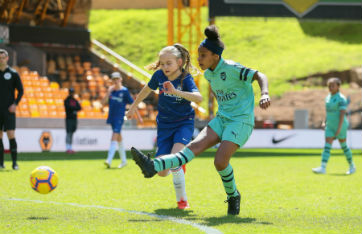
(175, 119)
(231, 84)
(118, 97)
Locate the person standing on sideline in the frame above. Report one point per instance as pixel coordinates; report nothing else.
(71, 106)
(118, 97)
(9, 81)
(231, 84)
(175, 119)
(336, 126)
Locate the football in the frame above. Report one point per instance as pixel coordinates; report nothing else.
(43, 179)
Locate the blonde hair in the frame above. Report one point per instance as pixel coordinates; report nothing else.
(334, 80)
(179, 51)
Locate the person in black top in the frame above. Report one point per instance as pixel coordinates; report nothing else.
(9, 81)
(71, 106)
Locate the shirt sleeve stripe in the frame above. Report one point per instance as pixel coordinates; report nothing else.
(246, 74)
(241, 73)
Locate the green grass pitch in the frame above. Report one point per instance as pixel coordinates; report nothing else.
(280, 194)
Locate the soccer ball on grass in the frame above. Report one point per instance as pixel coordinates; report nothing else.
(43, 179)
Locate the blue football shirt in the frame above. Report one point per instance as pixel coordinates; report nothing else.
(118, 99)
(172, 108)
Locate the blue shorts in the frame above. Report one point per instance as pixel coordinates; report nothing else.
(167, 137)
(116, 125)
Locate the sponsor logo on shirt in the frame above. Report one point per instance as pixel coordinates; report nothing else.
(221, 96)
(119, 98)
(178, 98)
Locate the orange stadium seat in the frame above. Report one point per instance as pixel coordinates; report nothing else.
(49, 101)
(48, 95)
(35, 114)
(44, 82)
(43, 114)
(23, 106)
(39, 95)
(87, 65)
(24, 99)
(81, 114)
(53, 114)
(40, 101)
(32, 101)
(59, 102)
(85, 103)
(24, 113)
(52, 107)
(60, 108)
(27, 83)
(54, 85)
(35, 83)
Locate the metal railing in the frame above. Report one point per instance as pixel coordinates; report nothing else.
(125, 64)
(134, 70)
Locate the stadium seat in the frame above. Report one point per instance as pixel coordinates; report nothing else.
(54, 85)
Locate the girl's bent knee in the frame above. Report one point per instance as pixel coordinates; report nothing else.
(220, 165)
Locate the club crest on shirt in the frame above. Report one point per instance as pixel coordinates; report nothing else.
(223, 75)
(7, 76)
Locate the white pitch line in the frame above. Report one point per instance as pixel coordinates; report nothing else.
(206, 229)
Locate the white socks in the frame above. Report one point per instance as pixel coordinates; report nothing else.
(122, 152)
(112, 151)
(179, 183)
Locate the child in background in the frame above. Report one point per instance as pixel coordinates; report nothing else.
(118, 97)
(336, 126)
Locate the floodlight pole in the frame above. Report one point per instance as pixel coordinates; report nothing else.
(170, 35)
(188, 26)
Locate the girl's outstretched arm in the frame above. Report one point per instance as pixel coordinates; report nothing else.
(140, 97)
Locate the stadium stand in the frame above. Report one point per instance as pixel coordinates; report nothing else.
(44, 97)
(53, 52)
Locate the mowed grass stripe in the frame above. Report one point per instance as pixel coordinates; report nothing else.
(280, 194)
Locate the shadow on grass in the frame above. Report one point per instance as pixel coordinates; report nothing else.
(263, 153)
(5, 170)
(345, 32)
(338, 174)
(213, 221)
(175, 212)
(102, 155)
(37, 218)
